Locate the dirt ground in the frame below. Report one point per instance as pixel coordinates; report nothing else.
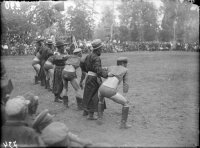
(163, 94)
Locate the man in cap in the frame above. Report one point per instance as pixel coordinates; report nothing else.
(108, 89)
(59, 62)
(92, 65)
(15, 128)
(45, 54)
(36, 60)
(69, 74)
(57, 134)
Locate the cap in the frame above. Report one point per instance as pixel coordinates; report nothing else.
(54, 133)
(122, 59)
(96, 44)
(39, 39)
(14, 106)
(42, 120)
(77, 50)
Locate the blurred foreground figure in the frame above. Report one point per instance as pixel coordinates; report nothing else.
(57, 134)
(69, 75)
(15, 128)
(108, 89)
(36, 60)
(6, 89)
(32, 107)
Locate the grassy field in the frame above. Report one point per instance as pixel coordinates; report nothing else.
(163, 93)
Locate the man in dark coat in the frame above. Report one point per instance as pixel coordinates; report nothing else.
(16, 129)
(45, 53)
(36, 60)
(92, 65)
(59, 62)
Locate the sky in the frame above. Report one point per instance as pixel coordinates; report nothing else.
(100, 4)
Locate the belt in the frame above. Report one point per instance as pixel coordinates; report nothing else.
(92, 73)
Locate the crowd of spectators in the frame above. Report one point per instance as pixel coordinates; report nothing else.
(24, 49)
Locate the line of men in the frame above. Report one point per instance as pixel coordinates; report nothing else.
(61, 68)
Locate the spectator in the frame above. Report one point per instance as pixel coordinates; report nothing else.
(15, 128)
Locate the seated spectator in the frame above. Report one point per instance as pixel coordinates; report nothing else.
(32, 107)
(15, 128)
(42, 121)
(57, 134)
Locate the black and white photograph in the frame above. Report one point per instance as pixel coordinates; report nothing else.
(100, 73)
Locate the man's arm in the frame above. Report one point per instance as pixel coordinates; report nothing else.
(98, 68)
(125, 83)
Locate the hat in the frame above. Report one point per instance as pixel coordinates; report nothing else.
(77, 50)
(122, 59)
(54, 133)
(96, 44)
(60, 43)
(42, 120)
(14, 106)
(39, 39)
(49, 42)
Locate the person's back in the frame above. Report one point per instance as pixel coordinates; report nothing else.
(21, 133)
(119, 73)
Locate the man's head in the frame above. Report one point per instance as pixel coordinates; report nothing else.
(61, 46)
(97, 46)
(39, 42)
(55, 134)
(49, 43)
(17, 108)
(78, 52)
(122, 61)
(42, 120)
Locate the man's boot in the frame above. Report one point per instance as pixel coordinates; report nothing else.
(36, 80)
(42, 82)
(124, 118)
(47, 86)
(91, 116)
(65, 101)
(57, 99)
(100, 113)
(85, 113)
(79, 102)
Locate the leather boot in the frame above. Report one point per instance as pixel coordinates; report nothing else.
(85, 113)
(36, 80)
(79, 102)
(124, 118)
(47, 86)
(42, 82)
(100, 113)
(57, 99)
(65, 101)
(91, 116)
